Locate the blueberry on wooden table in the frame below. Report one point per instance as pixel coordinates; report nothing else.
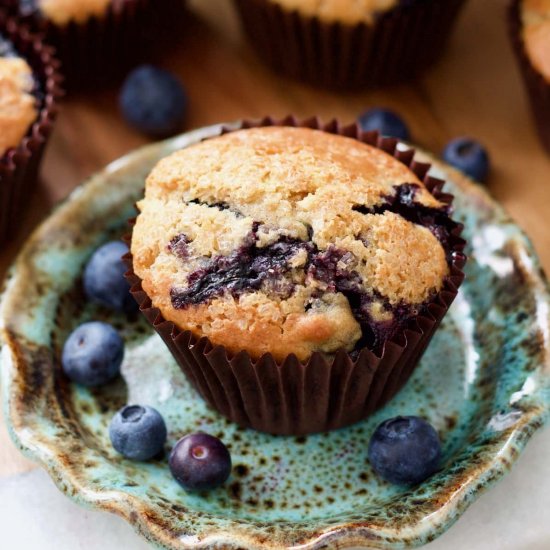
(104, 281)
(92, 354)
(200, 462)
(153, 101)
(138, 432)
(405, 450)
(468, 156)
(386, 122)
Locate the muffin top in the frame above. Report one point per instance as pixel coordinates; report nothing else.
(289, 240)
(535, 17)
(18, 105)
(62, 12)
(350, 12)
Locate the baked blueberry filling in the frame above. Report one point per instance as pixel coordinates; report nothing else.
(327, 268)
(243, 271)
(219, 205)
(402, 202)
(435, 219)
(251, 268)
(178, 246)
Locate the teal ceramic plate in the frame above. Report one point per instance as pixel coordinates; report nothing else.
(484, 383)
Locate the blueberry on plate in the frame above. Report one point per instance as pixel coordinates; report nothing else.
(386, 122)
(469, 156)
(200, 462)
(138, 433)
(153, 101)
(405, 450)
(92, 354)
(104, 281)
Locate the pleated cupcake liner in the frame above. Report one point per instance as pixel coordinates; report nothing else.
(538, 88)
(20, 165)
(396, 47)
(323, 393)
(102, 49)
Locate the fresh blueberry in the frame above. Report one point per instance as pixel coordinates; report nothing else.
(200, 462)
(405, 450)
(92, 354)
(469, 156)
(138, 433)
(386, 122)
(153, 101)
(104, 281)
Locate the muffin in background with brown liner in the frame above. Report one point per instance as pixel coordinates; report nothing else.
(29, 91)
(346, 44)
(96, 40)
(530, 33)
(297, 271)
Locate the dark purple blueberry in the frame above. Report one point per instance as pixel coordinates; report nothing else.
(153, 101)
(200, 462)
(92, 354)
(469, 156)
(405, 450)
(104, 281)
(138, 433)
(386, 122)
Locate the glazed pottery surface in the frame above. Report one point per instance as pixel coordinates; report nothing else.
(484, 383)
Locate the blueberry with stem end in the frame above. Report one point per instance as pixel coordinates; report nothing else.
(153, 101)
(469, 156)
(200, 462)
(104, 281)
(92, 354)
(386, 122)
(138, 433)
(405, 450)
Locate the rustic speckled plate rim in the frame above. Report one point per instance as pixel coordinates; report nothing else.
(347, 535)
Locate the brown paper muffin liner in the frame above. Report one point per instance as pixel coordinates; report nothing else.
(538, 88)
(400, 43)
(324, 393)
(19, 166)
(102, 48)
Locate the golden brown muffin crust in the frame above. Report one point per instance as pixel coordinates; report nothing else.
(535, 17)
(18, 109)
(350, 12)
(62, 12)
(314, 192)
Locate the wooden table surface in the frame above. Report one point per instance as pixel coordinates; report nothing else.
(474, 90)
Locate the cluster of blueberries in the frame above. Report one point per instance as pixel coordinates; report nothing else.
(402, 450)
(92, 356)
(154, 102)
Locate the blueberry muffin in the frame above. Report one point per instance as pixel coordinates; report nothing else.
(19, 104)
(29, 90)
(63, 12)
(530, 29)
(96, 40)
(349, 43)
(296, 271)
(289, 240)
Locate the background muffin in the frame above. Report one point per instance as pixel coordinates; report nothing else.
(346, 43)
(530, 31)
(292, 243)
(96, 40)
(29, 90)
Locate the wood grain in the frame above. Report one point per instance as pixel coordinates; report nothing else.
(475, 90)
